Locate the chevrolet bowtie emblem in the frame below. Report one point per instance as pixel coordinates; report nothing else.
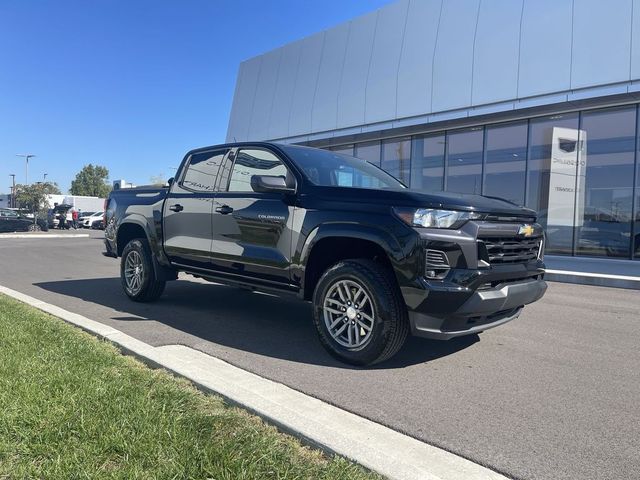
(526, 230)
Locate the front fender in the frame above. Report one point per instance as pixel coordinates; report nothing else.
(351, 230)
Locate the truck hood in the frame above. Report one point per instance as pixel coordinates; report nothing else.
(413, 198)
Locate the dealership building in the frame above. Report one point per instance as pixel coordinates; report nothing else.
(535, 101)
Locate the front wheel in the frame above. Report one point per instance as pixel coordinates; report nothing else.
(359, 312)
(137, 273)
(34, 227)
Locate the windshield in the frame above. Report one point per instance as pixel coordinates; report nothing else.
(330, 169)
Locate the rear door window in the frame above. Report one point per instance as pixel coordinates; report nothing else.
(202, 170)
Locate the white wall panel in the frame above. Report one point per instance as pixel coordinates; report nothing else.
(453, 61)
(281, 108)
(416, 60)
(265, 90)
(306, 80)
(243, 99)
(635, 41)
(436, 58)
(495, 62)
(545, 47)
(351, 98)
(325, 104)
(601, 42)
(382, 81)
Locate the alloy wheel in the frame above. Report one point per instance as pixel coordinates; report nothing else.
(348, 313)
(133, 272)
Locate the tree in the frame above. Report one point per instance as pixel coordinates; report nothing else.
(51, 188)
(91, 181)
(33, 198)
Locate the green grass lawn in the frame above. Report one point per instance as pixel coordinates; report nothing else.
(71, 406)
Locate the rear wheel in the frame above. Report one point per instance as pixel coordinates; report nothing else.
(137, 273)
(359, 312)
(34, 227)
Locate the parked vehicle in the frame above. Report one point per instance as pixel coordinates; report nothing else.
(12, 221)
(86, 221)
(97, 224)
(377, 260)
(58, 213)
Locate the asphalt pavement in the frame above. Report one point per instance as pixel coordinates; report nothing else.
(551, 395)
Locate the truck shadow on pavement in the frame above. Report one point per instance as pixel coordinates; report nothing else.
(268, 325)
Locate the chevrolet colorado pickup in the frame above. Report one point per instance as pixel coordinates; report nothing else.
(377, 260)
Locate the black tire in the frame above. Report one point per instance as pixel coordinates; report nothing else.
(389, 327)
(34, 227)
(146, 288)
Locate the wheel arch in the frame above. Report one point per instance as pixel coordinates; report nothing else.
(127, 231)
(327, 246)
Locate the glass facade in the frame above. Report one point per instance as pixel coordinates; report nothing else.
(506, 161)
(463, 172)
(396, 158)
(580, 171)
(369, 151)
(427, 162)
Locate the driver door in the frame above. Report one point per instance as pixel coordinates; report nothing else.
(252, 230)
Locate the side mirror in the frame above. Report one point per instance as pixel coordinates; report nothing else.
(270, 184)
(170, 181)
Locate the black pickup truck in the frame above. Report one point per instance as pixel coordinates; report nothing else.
(377, 260)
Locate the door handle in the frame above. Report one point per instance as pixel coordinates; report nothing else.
(224, 209)
(176, 208)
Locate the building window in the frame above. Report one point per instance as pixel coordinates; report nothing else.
(343, 150)
(396, 158)
(636, 229)
(552, 159)
(369, 151)
(464, 161)
(505, 161)
(604, 200)
(427, 162)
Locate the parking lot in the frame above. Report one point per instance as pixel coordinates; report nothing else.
(551, 395)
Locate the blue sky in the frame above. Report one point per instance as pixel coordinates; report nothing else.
(132, 85)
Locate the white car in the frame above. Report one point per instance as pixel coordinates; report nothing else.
(86, 222)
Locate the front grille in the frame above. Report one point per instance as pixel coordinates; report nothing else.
(508, 250)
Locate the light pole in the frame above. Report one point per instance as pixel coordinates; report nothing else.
(12, 203)
(44, 177)
(26, 156)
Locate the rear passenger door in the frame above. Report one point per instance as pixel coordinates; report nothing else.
(187, 215)
(251, 230)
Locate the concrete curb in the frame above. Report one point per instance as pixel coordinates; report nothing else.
(44, 235)
(332, 429)
(593, 278)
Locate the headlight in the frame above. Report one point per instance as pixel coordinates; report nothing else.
(433, 218)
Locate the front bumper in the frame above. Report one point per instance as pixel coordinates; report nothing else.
(493, 272)
(481, 310)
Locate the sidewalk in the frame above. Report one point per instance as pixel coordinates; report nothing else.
(593, 271)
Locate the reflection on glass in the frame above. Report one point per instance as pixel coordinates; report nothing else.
(396, 158)
(606, 195)
(253, 162)
(506, 150)
(427, 162)
(464, 161)
(553, 196)
(369, 151)
(330, 169)
(202, 170)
